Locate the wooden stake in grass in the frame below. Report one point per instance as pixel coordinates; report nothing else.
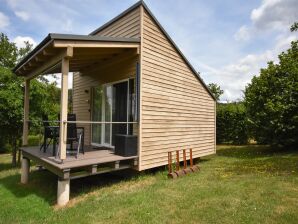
(170, 162)
(192, 167)
(184, 159)
(177, 161)
(185, 169)
(171, 174)
(178, 171)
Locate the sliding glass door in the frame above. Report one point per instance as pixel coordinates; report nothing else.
(96, 114)
(112, 103)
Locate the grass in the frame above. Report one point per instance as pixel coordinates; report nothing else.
(245, 184)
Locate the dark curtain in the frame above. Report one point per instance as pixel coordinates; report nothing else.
(119, 109)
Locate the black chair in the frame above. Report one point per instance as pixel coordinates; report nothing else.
(48, 134)
(74, 134)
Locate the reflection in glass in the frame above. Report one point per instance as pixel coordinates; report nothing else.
(96, 113)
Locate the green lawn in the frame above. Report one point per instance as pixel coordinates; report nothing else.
(252, 184)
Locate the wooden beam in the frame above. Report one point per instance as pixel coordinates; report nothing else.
(26, 112)
(47, 53)
(102, 64)
(140, 67)
(94, 44)
(95, 52)
(41, 50)
(49, 63)
(64, 103)
(39, 59)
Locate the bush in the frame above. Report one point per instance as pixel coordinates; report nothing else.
(231, 124)
(271, 100)
(33, 140)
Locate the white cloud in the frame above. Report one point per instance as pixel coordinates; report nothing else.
(242, 34)
(271, 15)
(4, 20)
(23, 15)
(20, 41)
(235, 76)
(275, 14)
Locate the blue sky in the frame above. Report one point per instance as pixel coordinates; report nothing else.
(226, 41)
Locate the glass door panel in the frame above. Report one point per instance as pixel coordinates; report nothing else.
(113, 102)
(107, 112)
(96, 114)
(120, 108)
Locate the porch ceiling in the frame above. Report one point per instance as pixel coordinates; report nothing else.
(84, 52)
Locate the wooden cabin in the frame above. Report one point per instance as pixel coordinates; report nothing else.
(129, 80)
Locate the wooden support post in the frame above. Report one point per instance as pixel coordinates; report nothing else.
(170, 162)
(190, 158)
(26, 112)
(135, 162)
(25, 170)
(194, 168)
(117, 164)
(64, 106)
(184, 159)
(177, 161)
(93, 168)
(63, 191)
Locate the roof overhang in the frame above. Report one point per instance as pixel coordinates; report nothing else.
(84, 50)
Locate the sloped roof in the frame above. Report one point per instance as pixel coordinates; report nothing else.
(142, 3)
(57, 36)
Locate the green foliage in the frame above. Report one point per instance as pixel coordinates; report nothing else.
(272, 101)
(294, 27)
(216, 90)
(231, 124)
(33, 140)
(44, 96)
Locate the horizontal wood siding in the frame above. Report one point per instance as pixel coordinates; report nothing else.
(127, 26)
(81, 102)
(177, 111)
(111, 72)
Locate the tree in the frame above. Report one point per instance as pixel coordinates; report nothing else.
(44, 96)
(231, 123)
(271, 100)
(294, 27)
(215, 90)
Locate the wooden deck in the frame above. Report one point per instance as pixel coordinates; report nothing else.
(94, 161)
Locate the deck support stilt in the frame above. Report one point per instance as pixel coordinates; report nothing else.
(25, 170)
(63, 191)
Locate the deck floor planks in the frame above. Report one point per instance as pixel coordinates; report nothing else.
(89, 158)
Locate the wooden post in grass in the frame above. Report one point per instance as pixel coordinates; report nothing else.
(184, 159)
(177, 161)
(26, 113)
(170, 162)
(64, 102)
(190, 158)
(25, 169)
(63, 191)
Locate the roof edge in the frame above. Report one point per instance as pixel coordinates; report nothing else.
(177, 49)
(142, 3)
(56, 36)
(125, 12)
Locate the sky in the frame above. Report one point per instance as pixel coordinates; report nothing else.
(228, 42)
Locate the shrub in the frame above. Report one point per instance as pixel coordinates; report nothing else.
(231, 124)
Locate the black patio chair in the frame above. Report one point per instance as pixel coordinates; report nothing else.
(74, 134)
(48, 134)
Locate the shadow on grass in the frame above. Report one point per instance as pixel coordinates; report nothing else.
(44, 184)
(6, 166)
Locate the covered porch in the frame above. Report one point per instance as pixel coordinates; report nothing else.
(91, 57)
